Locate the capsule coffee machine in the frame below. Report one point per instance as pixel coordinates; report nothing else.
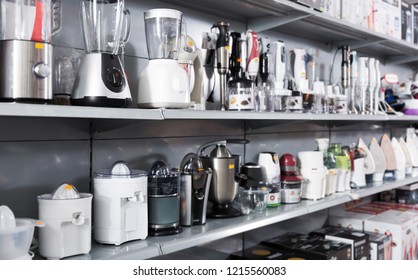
(101, 78)
(163, 83)
(163, 200)
(120, 204)
(195, 185)
(67, 217)
(26, 55)
(225, 178)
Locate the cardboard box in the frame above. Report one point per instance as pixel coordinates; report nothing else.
(407, 194)
(398, 227)
(289, 241)
(263, 252)
(350, 220)
(387, 17)
(321, 249)
(351, 11)
(380, 246)
(406, 21)
(332, 8)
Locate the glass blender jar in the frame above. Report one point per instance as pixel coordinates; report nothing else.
(163, 83)
(101, 79)
(26, 29)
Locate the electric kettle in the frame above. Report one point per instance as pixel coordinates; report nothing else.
(225, 177)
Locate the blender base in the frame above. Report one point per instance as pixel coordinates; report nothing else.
(223, 211)
(163, 231)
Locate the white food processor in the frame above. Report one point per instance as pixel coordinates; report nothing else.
(120, 204)
(313, 169)
(67, 215)
(163, 83)
(16, 235)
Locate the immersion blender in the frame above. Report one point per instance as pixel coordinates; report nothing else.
(222, 46)
(280, 65)
(372, 86)
(345, 73)
(378, 88)
(264, 61)
(354, 75)
(253, 51)
(363, 81)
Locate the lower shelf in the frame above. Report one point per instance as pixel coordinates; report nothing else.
(216, 229)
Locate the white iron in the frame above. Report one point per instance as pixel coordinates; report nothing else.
(369, 164)
(408, 161)
(412, 144)
(390, 157)
(400, 159)
(379, 159)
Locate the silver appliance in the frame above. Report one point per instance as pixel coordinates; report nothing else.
(225, 178)
(195, 185)
(101, 79)
(163, 200)
(26, 55)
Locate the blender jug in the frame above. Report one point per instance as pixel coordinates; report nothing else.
(26, 29)
(101, 78)
(163, 34)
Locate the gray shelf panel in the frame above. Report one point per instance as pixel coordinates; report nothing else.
(57, 111)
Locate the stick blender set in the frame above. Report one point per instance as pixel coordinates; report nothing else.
(101, 79)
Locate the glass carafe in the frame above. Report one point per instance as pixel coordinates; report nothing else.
(102, 22)
(163, 33)
(31, 20)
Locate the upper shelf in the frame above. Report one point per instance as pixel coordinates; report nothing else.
(297, 20)
(216, 229)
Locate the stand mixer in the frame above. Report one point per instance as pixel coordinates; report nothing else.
(101, 79)
(163, 83)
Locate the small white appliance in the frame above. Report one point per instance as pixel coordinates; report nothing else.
(16, 235)
(400, 172)
(270, 161)
(372, 86)
(67, 217)
(358, 173)
(312, 168)
(390, 157)
(369, 164)
(163, 83)
(279, 64)
(253, 54)
(408, 160)
(101, 79)
(120, 204)
(412, 144)
(330, 163)
(298, 65)
(379, 159)
(363, 83)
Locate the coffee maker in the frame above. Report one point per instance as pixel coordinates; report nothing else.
(225, 178)
(26, 55)
(195, 185)
(67, 217)
(163, 83)
(163, 200)
(101, 78)
(120, 204)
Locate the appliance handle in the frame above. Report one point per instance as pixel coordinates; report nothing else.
(127, 17)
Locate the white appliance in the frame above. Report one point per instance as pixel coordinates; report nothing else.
(358, 175)
(163, 83)
(312, 168)
(412, 144)
(270, 161)
(390, 157)
(279, 64)
(372, 86)
(120, 204)
(331, 165)
(379, 159)
(369, 164)
(16, 235)
(298, 64)
(400, 171)
(408, 160)
(253, 54)
(362, 83)
(67, 217)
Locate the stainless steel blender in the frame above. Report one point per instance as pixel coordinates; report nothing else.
(163, 83)
(26, 29)
(101, 78)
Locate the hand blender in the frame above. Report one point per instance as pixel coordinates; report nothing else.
(372, 85)
(264, 60)
(363, 81)
(253, 52)
(345, 72)
(222, 46)
(354, 73)
(378, 88)
(279, 65)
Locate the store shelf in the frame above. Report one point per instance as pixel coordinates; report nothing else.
(57, 111)
(297, 20)
(216, 229)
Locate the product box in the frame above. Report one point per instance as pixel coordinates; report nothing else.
(406, 21)
(263, 252)
(412, 242)
(398, 227)
(387, 17)
(350, 220)
(358, 240)
(407, 194)
(332, 8)
(380, 246)
(289, 241)
(368, 209)
(321, 249)
(367, 14)
(415, 24)
(351, 11)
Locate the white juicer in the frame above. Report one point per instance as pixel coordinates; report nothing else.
(67, 216)
(120, 205)
(163, 83)
(313, 169)
(15, 235)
